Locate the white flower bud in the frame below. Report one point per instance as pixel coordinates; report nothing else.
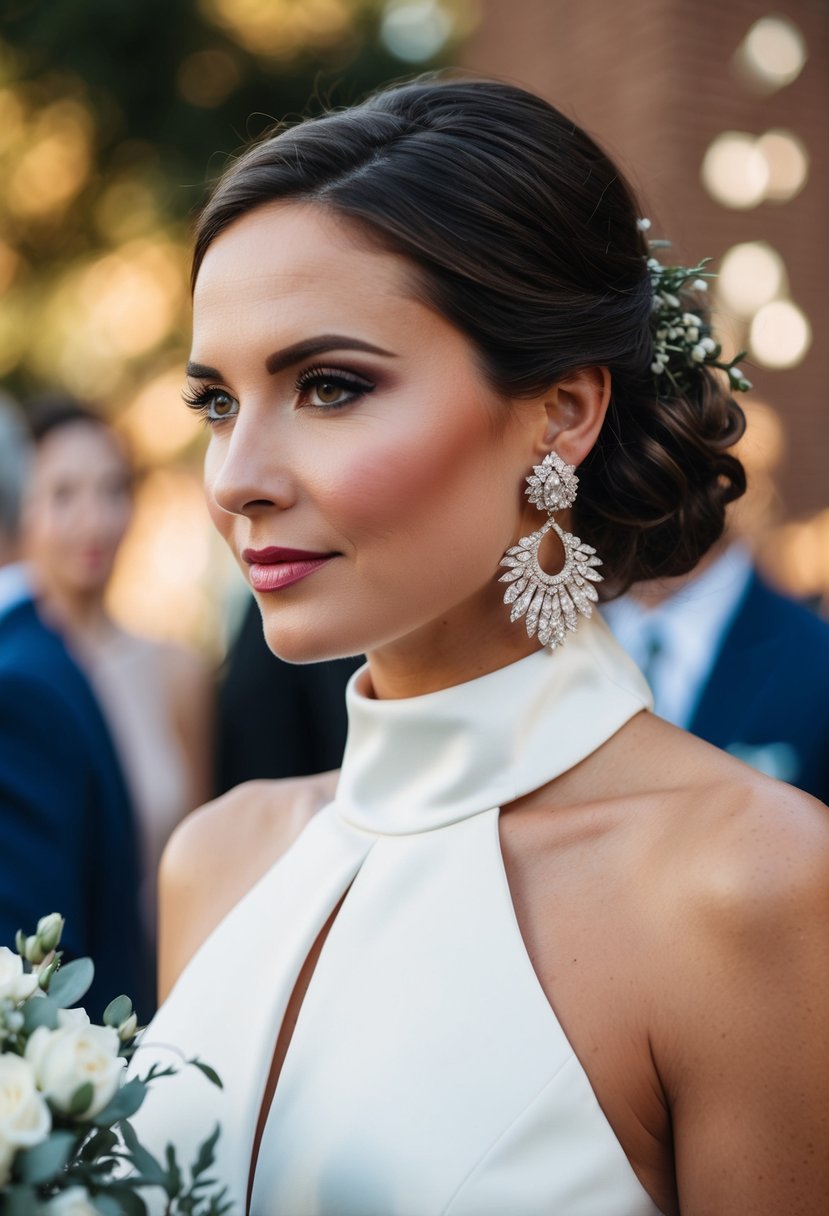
(735, 373)
(709, 345)
(643, 224)
(699, 285)
(698, 353)
(692, 333)
(690, 318)
(671, 300)
(49, 930)
(657, 368)
(127, 1029)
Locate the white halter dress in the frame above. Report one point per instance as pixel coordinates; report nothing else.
(427, 1074)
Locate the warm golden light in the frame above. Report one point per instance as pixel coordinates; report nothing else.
(131, 297)
(157, 423)
(126, 209)
(734, 170)
(207, 78)
(773, 52)
(9, 263)
(788, 164)
(159, 582)
(12, 118)
(780, 334)
(279, 28)
(750, 276)
(55, 163)
(797, 554)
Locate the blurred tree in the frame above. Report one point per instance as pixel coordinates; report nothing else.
(113, 116)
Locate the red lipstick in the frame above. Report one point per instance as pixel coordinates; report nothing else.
(274, 567)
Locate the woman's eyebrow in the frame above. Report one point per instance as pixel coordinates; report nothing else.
(289, 355)
(198, 371)
(307, 349)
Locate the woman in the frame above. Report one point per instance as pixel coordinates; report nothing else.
(156, 696)
(542, 953)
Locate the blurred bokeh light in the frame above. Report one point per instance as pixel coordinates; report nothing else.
(773, 53)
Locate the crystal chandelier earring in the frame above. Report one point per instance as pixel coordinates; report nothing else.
(552, 602)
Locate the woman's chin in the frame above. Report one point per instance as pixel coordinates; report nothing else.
(305, 646)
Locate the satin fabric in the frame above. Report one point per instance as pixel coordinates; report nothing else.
(427, 1072)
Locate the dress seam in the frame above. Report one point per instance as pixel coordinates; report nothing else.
(504, 1131)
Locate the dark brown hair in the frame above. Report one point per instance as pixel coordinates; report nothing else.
(524, 236)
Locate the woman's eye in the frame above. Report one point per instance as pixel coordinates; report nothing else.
(327, 389)
(214, 404)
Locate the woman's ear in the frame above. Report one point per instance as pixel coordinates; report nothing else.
(575, 409)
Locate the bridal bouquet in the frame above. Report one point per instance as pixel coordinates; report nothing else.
(66, 1144)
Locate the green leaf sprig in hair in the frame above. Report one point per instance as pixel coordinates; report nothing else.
(683, 342)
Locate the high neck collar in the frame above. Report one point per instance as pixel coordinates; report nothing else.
(425, 762)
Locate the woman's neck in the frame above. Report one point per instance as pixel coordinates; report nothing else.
(460, 647)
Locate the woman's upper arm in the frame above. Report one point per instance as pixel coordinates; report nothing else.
(747, 1063)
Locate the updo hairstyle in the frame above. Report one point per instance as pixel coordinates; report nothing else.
(524, 236)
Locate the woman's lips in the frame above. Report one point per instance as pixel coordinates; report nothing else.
(273, 568)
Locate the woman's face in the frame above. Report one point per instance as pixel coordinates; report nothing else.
(353, 438)
(78, 507)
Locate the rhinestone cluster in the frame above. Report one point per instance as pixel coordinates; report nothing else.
(551, 603)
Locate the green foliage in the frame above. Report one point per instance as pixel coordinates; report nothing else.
(164, 92)
(71, 982)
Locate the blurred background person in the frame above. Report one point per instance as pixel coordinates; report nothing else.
(730, 657)
(718, 115)
(67, 833)
(156, 696)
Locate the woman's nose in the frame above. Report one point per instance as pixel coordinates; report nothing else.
(246, 475)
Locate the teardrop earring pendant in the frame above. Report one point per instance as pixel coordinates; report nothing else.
(551, 603)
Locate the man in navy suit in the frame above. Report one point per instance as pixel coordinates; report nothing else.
(736, 663)
(67, 835)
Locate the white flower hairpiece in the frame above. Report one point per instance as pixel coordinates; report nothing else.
(682, 339)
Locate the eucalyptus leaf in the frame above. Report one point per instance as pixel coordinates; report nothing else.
(98, 1145)
(206, 1155)
(40, 1011)
(125, 1103)
(81, 1099)
(45, 1161)
(120, 1202)
(151, 1170)
(209, 1072)
(117, 1011)
(174, 1179)
(18, 1201)
(71, 982)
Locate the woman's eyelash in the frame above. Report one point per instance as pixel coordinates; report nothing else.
(201, 400)
(314, 377)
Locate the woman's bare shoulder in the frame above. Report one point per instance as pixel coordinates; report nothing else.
(220, 851)
(740, 880)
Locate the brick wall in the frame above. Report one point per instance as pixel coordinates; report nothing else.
(653, 80)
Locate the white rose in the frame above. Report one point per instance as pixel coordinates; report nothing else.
(77, 1052)
(72, 1202)
(15, 984)
(25, 1119)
